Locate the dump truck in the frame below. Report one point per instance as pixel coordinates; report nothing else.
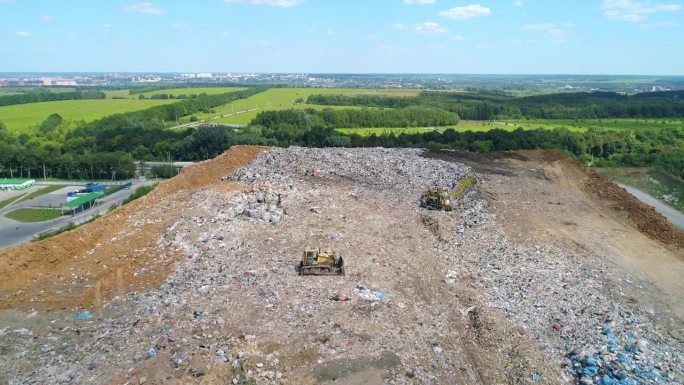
(319, 262)
(436, 199)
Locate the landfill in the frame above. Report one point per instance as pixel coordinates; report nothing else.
(429, 297)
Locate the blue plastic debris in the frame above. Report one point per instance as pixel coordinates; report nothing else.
(536, 377)
(153, 352)
(624, 359)
(590, 371)
(621, 374)
(593, 360)
(606, 380)
(83, 315)
(606, 327)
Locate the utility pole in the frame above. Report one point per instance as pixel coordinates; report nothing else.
(44, 176)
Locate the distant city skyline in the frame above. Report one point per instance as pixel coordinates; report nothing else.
(617, 37)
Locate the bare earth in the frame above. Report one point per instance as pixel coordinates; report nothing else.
(197, 283)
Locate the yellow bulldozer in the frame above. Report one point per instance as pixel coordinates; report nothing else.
(318, 262)
(436, 199)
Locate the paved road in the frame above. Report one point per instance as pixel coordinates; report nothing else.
(673, 215)
(13, 232)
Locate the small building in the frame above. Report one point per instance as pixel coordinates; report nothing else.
(83, 202)
(16, 183)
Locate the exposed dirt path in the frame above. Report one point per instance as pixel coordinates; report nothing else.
(115, 254)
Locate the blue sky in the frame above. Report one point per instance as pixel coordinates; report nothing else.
(416, 36)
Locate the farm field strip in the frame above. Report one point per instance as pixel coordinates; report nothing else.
(600, 124)
(285, 98)
(22, 118)
(175, 92)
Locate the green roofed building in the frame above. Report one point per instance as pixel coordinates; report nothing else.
(83, 200)
(16, 183)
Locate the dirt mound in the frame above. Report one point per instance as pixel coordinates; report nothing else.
(642, 216)
(112, 255)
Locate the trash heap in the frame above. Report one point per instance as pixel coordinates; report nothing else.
(401, 168)
(429, 297)
(623, 360)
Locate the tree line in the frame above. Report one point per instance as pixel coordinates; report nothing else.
(46, 96)
(413, 116)
(490, 106)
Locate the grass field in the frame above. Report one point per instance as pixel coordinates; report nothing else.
(23, 118)
(463, 125)
(9, 200)
(42, 191)
(389, 130)
(176, 92)
(33, 215)
(600, 124)
(284, 98)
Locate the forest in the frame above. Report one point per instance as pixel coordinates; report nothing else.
(107, 148)
(496, 105)
(35, 97)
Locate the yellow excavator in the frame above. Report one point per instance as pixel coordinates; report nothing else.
(436, 199)
(318, 262)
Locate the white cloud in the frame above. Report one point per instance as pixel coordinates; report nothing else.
(272, 3)
(519, 3)
(144, 7)
(466, 12)
(106, 26)
(22, 34)
(427, 28)
(634, 11)
(460, 38)
(430, 28)
(420, 1)
(46, 19)
(332, 32)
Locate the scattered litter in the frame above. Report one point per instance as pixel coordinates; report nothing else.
(83, 315)
(371, 295)
(153, 352)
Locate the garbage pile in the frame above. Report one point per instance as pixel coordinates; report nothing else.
(567, 303)
(396, 168)
(444, 297)
(623, 360)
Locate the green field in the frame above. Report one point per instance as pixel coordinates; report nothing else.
(175, 92)
(284, 98)
(23, 118)
(389, 130)
(42, 191)
(600, 124)
(463, 125)
(33, 214)
(9, 200)
(583, 125)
